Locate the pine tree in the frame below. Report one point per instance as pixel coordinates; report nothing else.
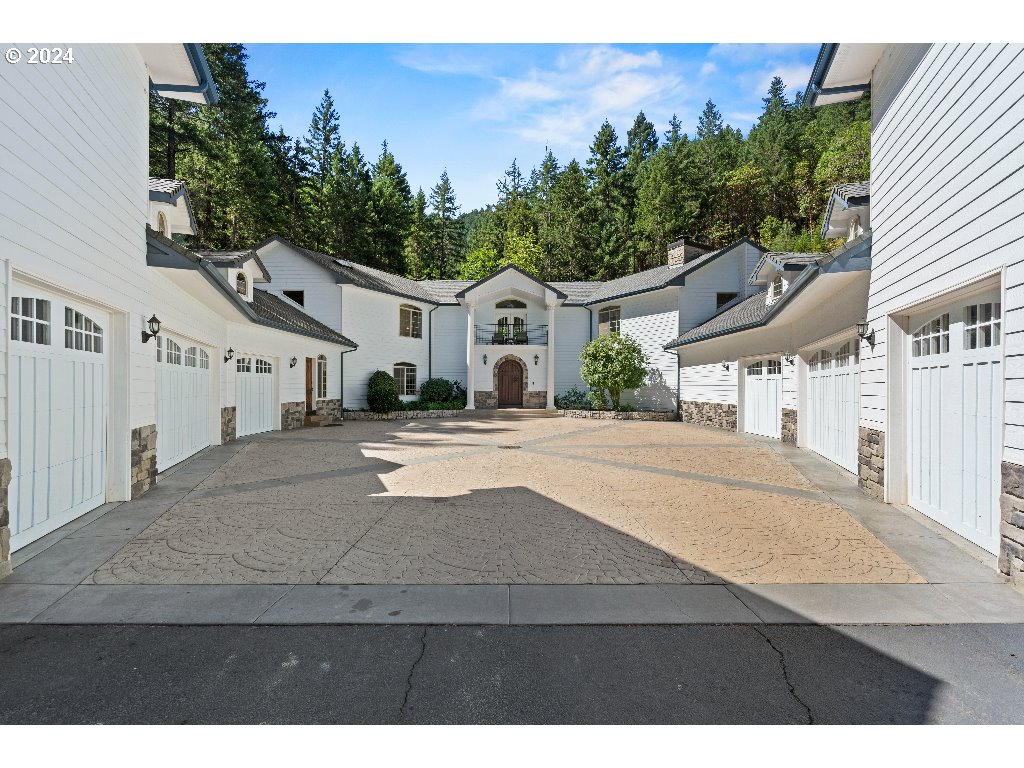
(445, 244)
(605, 168)
(324, 153)
(641, 144)
(573, 220)
(391, 212)
(417, 239)
(541, 189)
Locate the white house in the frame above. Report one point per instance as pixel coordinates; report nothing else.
(914, 377)
(122, 352)
(513, 340)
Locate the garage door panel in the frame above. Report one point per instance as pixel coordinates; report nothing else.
(254, 395)
(955, 396)
(833, 387)
(183, 402)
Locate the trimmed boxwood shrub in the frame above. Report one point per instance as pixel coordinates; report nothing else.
(572, 399)
(382, 393)
(437, 391)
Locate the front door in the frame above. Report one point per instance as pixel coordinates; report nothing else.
(309, 385)
(510, 385)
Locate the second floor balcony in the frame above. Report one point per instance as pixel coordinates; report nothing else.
(502, 333)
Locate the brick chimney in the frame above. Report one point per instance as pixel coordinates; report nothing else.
(684, 250)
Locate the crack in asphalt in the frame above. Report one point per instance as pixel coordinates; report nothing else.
(785, 673)
(412, 671)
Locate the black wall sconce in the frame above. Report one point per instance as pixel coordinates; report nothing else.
(485, 359)
(293, 362)
(229, 354)
(725, 365)
(154, 329)
(536, 359)
(789, 358)
(866, 333)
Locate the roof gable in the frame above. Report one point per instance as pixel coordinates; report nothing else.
(464, 293)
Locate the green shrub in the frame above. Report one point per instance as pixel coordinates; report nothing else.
(382, 393)
(597, 400)
(614, 362)
(625, 408)
(572, 399)
(437, 391)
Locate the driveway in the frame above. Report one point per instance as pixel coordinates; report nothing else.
(504, 498)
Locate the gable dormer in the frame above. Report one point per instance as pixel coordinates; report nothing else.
(776, 271)
(848, 214)
(170, 210)
(242, 270)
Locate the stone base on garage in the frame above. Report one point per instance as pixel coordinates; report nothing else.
(228, 431)
(293, 415)
(871, 463)
(143, 447)
(1011, 526)
(394, 415)
(5, 519)
(789, 425)
(329, 410)
(721, 415)
(484, 399)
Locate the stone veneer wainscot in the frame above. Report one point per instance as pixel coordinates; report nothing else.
(228, 430)
(721, 415)
(143, 459)
(789, 425)
(5, 519)
(293, 415)
(329, 409)
(1011, 526)
(621, 415)
(871, 463)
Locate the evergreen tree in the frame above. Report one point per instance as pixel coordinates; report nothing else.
(573, 219)
(391, 213)
(324, 154)
(541, 194)
(445, 243)
(416, 242)
(605, 168)
(641, 144)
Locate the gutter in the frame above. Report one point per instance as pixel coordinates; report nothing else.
(205, 86)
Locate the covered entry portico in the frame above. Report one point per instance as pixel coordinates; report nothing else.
(510, 334)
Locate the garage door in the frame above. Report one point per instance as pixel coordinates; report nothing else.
(254, 395)
(955, 395)
(183, 401)
(833, 388)
(762, 398)
(58, 414)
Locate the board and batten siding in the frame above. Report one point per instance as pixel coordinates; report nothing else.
(947, 200)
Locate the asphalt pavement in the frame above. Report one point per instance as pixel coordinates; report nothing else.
(750, 673)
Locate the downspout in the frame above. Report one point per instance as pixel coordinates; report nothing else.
(590, 326)
(679, 387)
(430, 342)
(341, 389)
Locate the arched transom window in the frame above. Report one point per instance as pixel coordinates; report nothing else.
(242, 284)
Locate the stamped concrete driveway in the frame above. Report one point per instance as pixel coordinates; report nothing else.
(505, 498)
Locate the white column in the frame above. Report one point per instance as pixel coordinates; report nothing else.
(470, 356)
(551, 357)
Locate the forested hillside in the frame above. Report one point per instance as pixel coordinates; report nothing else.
(602, 216)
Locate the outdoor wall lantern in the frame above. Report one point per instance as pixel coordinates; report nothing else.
(789, 357)
(866, 333)
(725, 365)
(154, 328)
(293, 362)
(485, 359)
(536, 359)
(229, 354)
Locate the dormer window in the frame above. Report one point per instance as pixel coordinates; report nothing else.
(161, 224)
(242, 284)
(775, 290)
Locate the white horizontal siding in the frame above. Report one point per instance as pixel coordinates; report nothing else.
(709, 383)
(290, 271)
(947, 201)
(572, 333)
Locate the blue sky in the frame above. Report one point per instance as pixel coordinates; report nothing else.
(472, 109)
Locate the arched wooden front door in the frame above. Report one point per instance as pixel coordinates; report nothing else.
(510, 385)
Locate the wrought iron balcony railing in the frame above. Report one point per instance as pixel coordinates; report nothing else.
(511, 334)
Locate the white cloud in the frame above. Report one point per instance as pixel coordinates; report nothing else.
(564, 104)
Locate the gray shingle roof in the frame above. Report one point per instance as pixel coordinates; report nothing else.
(166, 186)
(579, 292)
(273, 308)
(444, 291)
(747, 314)
(658, 277)
(234, 259)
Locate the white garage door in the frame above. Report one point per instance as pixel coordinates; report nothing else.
(833, 388)
(58, 413)
(955, 395)
(254, 395)
(183, 401)
(762, 398)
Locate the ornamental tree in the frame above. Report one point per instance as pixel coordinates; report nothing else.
(614, 362)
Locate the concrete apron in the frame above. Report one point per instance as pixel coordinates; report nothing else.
(46, 586)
